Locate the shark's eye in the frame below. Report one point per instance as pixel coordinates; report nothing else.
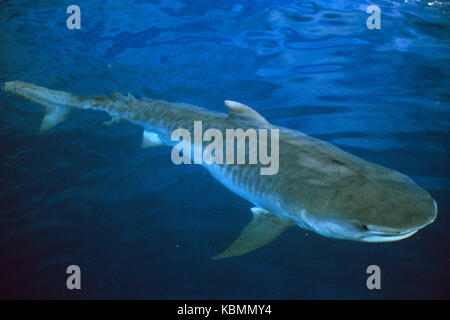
(364, 227)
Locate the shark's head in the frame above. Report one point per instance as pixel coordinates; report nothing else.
(382, 208)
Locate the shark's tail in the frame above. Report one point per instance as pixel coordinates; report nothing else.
(58, 104)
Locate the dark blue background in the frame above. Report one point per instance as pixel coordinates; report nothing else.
(141, 227)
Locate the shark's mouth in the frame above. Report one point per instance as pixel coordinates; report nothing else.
(356, 231)
(387, 237)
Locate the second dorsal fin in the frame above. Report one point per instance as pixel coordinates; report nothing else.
(241, 111)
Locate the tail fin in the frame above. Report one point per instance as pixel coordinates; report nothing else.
(41, 95)
(54, 115)
(58, 103)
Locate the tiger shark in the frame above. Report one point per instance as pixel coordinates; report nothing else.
(318, 186)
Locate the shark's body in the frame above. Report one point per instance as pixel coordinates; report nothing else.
(318, 186)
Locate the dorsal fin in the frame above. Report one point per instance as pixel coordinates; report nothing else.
(127, 98)
(131, 97)
(238, 110)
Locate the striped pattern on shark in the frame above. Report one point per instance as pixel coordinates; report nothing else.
(318, 187)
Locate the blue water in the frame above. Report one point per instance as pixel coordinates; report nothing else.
(141, 227)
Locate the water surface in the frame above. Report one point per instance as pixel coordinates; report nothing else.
(141, 227)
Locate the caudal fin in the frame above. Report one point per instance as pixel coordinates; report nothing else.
(57, 103)
(54, 115)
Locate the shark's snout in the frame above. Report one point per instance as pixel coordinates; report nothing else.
(383, 230)
(374, 233)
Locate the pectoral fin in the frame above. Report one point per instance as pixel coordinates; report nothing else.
(53, 116)
(263, 229)
(150, 139)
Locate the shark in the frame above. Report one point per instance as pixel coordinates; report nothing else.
(318, 186)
